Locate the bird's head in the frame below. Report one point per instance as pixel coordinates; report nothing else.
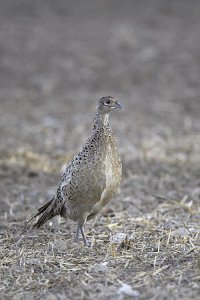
(107, 104)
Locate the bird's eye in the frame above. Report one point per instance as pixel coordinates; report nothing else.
(107, 102)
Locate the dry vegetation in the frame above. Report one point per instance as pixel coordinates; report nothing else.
(151, 244)
(145, 245)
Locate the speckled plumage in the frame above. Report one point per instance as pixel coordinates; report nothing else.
(91, 178)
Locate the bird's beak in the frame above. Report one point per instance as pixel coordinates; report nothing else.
(118, 105)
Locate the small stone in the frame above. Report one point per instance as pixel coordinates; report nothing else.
(60, 245)
(118, 238)
(100, 268)
(126, 290)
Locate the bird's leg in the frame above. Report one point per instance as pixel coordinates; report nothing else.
(83, 235)
(76, 237)
(80, 229)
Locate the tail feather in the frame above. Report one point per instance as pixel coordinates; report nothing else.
(44, 207)
(48, 211)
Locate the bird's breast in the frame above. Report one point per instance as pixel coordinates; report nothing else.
(112, 168)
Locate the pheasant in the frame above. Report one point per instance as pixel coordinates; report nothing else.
(91, 178)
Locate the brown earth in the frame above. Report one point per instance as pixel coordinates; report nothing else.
(57, 58)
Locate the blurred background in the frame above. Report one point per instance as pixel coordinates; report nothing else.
(57, 58)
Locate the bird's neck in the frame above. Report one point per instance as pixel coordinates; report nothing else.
(101, 119)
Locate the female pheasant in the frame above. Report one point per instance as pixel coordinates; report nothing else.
(91, 178)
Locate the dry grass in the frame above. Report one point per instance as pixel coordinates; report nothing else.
(155, 252)
(34, 162)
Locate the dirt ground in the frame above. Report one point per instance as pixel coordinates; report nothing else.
(57, 58)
